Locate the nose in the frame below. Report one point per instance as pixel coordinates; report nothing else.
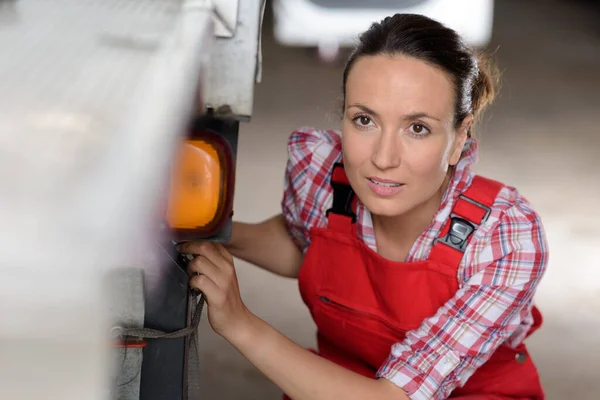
(386, 152)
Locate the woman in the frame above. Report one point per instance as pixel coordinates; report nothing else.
(419, 275)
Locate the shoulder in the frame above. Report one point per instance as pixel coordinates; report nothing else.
(312, 150)
(312, 154)
(520, 226)
(512, 241)
(511, 207)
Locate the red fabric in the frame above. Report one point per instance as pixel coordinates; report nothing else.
(363, 304)
(482, 191)
(339, 175)
(463, 208)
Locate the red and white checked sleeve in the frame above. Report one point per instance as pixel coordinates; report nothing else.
(311, 156)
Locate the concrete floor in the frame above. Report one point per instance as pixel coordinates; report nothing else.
(541, 136)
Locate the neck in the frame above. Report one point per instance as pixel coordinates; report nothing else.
(406, 228)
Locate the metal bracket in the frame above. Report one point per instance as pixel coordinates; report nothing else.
(225, 15)
(235, 65)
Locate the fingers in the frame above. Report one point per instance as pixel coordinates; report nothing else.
(212, 260)
(212, 292)
(224, 253)
(213, 251)
(192, 247)
(203, 266)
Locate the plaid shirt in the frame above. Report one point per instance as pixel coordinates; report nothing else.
(498, 274)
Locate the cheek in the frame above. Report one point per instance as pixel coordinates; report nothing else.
(356, 149)
(429, 162)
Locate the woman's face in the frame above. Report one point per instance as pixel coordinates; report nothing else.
(398, 132)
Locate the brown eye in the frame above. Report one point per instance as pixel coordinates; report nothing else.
(419, 130)
(364, 120)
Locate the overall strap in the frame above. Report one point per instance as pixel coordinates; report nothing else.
(472, 208)
(341, 216)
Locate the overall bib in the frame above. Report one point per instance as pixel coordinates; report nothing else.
(363, 303)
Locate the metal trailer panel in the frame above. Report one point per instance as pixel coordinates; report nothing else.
(236, 65)
(166, 292)
(94, 96)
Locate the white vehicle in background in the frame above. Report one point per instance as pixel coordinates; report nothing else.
(330, 25)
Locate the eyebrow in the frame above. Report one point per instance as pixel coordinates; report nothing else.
(365, 109)
(420, 114)
(411, 116)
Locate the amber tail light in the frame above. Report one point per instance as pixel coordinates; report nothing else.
(201, 187)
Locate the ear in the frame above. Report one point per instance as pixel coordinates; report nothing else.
(460, 137)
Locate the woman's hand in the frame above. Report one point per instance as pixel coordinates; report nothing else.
(212, 272)
(298, 372)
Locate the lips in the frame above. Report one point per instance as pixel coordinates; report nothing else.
(384, 182)
(384, 187)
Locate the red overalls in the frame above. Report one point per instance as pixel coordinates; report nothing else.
(363, 303)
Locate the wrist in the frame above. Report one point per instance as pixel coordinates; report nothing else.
(234, 239)
(244, 331)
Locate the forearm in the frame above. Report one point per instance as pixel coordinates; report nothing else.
(266, 244)
(303, 375)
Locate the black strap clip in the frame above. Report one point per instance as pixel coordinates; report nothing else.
(460, 229)
(458, 235)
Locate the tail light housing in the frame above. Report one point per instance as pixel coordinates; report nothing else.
(202, 183)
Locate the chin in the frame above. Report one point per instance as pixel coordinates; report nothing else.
(391, 207)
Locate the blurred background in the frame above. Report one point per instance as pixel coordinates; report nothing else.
(542, 136)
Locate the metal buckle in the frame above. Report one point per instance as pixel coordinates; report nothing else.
(458, 234)
(460, 229)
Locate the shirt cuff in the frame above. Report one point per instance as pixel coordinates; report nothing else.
(420, 376)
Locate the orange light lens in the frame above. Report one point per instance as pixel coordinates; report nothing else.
(197, 186)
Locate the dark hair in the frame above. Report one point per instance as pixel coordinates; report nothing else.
(413, 35)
